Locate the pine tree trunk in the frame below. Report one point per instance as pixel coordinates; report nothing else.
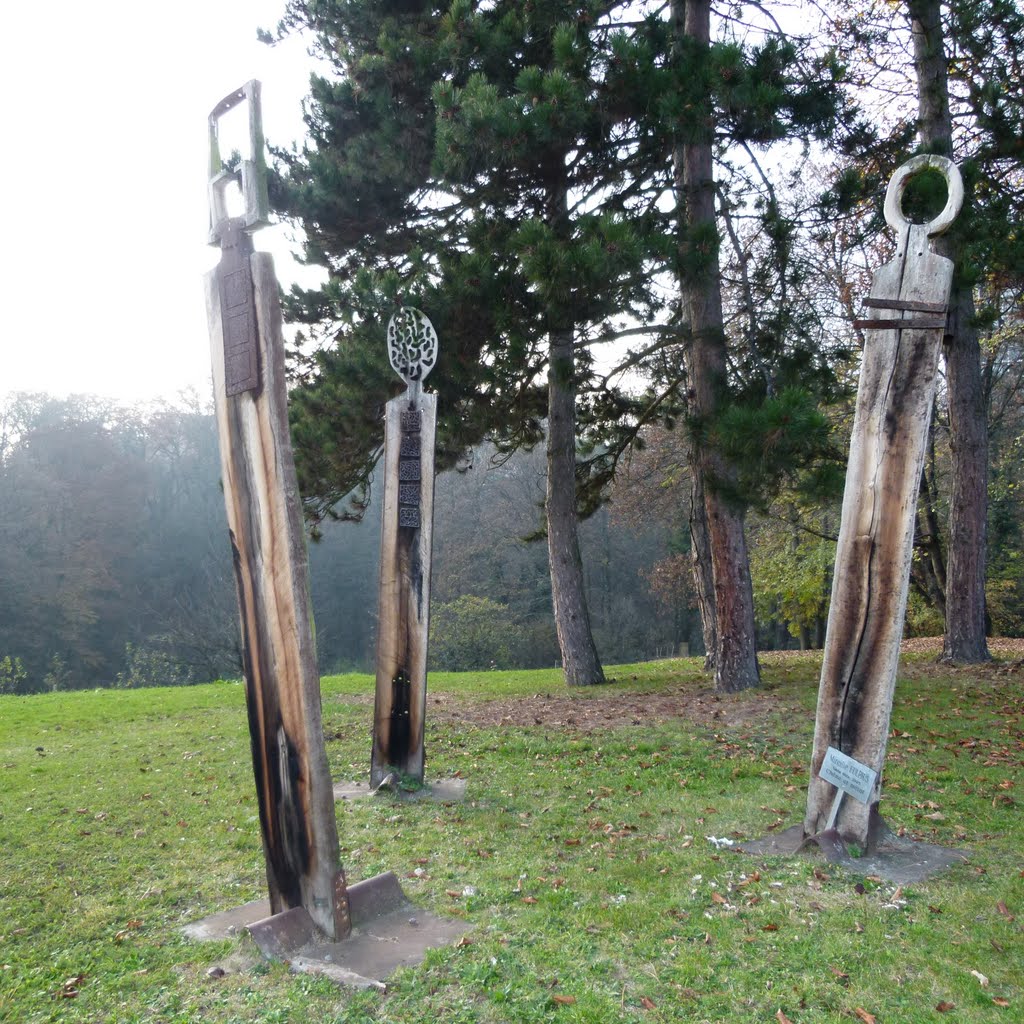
(968, 503)
(965, 571)
(735, 652)
(700, 559)
(929, 573)
(580, 662)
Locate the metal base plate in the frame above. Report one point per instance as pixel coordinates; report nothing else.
(388, 932)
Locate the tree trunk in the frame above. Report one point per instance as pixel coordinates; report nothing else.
(965, 571)
(929, 573)
(968, 502)
(700, 559)
(735, 653)
(580, 662)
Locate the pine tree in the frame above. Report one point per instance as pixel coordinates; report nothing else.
(744, 96)
(507, 238)
(965, 573)
(531, 225)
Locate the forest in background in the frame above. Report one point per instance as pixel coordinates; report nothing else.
(115, 568)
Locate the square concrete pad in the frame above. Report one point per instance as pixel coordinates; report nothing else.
(443, 791)
(898, 860)
(388, 932)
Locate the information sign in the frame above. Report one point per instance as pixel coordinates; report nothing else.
(848, 775)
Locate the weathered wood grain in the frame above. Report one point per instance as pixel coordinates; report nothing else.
(404, 605)
(869, 593)
(293, 783)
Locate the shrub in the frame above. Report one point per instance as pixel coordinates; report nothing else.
(149, 665)
(474, 633)
(12, 675)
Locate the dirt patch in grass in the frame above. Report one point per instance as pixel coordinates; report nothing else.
(1001, 647)
(620, 705)
(609, 707)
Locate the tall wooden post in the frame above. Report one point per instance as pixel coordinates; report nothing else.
(293, 784)
(907, 305)
(403, 618)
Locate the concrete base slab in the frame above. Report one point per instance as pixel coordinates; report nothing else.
(228, 924)
(388, 932)
(896, 859)
(443, 791)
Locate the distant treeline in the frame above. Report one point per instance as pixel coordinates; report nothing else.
(115, 568)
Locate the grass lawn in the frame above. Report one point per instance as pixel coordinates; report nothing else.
(580, 858)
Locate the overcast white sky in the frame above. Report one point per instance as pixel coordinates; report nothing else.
(103, 114)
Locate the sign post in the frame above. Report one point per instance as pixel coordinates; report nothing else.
(848, 776)
(907, 317)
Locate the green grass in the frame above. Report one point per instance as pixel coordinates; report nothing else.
(586, 855)
(522, 683)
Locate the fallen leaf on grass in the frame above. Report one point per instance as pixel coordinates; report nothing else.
(868, 1018)
(463, 942)
(770, 928)
(945, 1007)
(564, 1000)
(528, 899)
(843, 977)
(782, 1018)
(999, 1001)
(646, 1003)
(69, 990)
(982, 980)
(717, 897)
(1004, 910)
